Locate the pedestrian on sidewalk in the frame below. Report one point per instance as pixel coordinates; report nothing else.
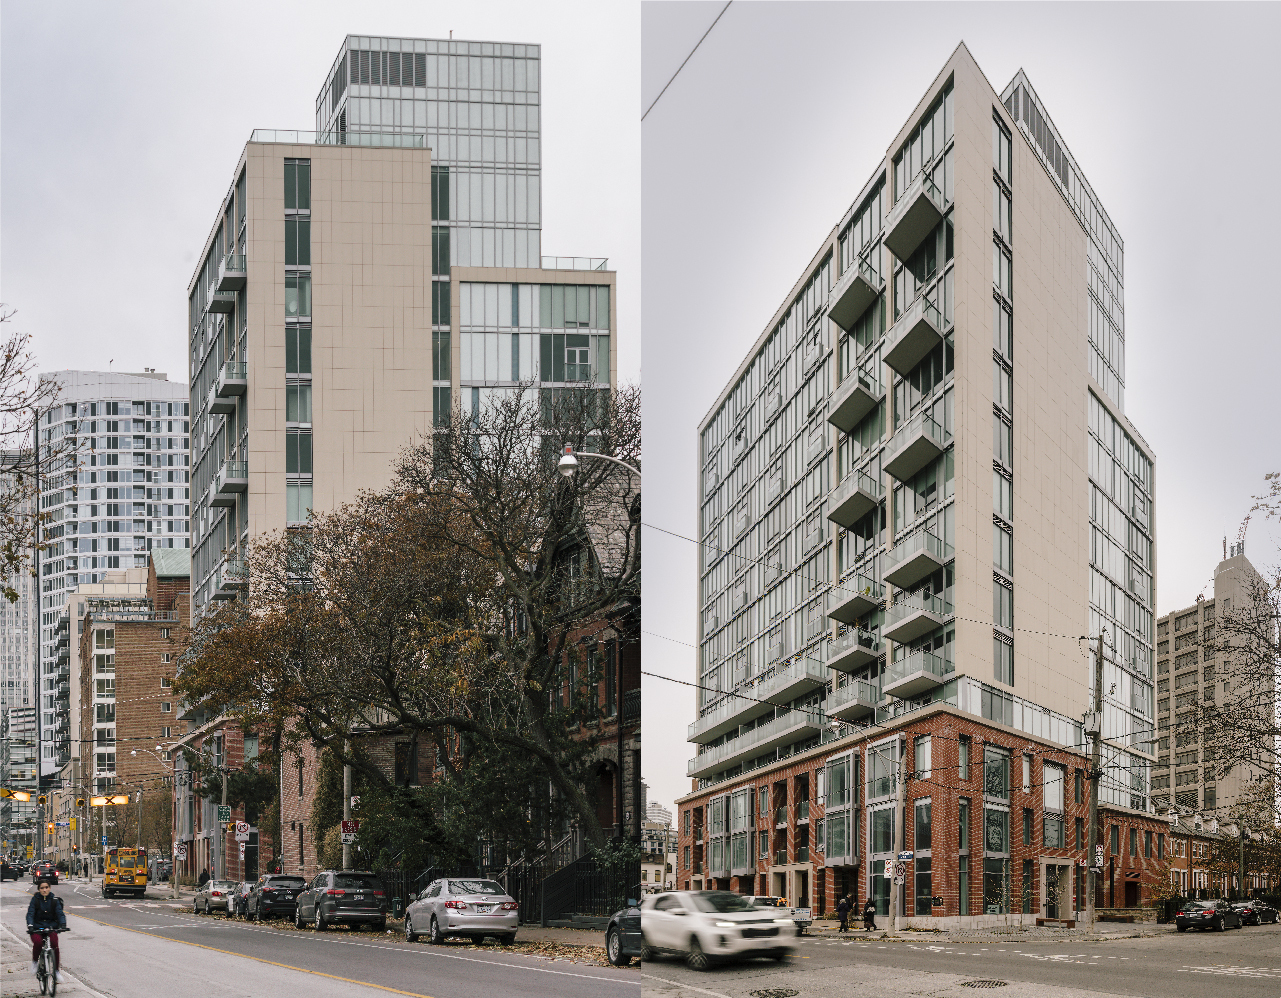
(843, 909)
(869, 916)
(204, 877)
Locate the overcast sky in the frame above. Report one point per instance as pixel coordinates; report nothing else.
(770, 130)
(121, 124)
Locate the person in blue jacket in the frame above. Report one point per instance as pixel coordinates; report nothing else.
(45, 915)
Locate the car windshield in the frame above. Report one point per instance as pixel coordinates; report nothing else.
(1200, 905)
(722, 901)
(223, 885)
(476, 887)
(355, 882)
(285, 882)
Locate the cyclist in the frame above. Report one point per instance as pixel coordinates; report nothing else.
(45, 916)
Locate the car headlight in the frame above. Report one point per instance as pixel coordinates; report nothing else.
(724, 925)
(784, 921)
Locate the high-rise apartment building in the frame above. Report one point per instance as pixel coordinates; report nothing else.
(399, 240)
(920, 487)
(1194, 667)
(118, 492)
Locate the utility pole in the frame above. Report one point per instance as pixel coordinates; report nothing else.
(1095, 730)
(222, 829)
(1242, 832)
(346, 803)
(899, 829)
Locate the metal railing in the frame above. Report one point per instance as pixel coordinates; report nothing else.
(234, 262)
(575, 263)
(857, 480)
(760, 688)
(855, 691)
(235, 370)
(915, 603)
(917, 661)
(913, 544)
(391, 140)
(750, 741)
(855, 636)
(780, 815)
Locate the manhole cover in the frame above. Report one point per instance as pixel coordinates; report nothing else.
(984, 984)
(775, 993)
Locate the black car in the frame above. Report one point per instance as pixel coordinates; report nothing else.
(623, 935)
(1255, 912)
(342, 897)
(274, 894)
(1217, 915)
(44, 871)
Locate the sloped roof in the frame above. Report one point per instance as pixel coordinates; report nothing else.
(172, 563)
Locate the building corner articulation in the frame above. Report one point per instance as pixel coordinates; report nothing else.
(852, 599)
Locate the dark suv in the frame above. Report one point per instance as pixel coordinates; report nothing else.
(342, 897)
(273, 894)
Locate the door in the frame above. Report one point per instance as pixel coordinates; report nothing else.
(1052, 892)
(662, 927)
(1131, 893)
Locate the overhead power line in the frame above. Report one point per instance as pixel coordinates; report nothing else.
(687, 59)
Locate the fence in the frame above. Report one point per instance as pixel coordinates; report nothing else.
(585, 887)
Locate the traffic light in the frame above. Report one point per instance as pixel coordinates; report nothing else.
(80, 802)
(49, 827)
(42, 800)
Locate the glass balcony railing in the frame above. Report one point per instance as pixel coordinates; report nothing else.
(575, 263)
(231, 272)
(857, 698)
(785, 729)
(780, 857)
(854, 294)
(780, 815)
(781, 686)
(856, 496)
(853, 649)
(854, 398)
(914, 445)
(802, 854)
(915, 616)
(232, 379)
(388, 140)
(914, 557)
(802, 810)
(854, 597)
(914, 674)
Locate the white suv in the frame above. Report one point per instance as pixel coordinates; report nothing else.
(709, 925)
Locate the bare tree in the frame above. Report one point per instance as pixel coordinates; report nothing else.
(23, 395)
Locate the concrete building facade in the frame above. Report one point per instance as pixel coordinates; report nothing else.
(920, 486)
(117, 492)
(1194, 667)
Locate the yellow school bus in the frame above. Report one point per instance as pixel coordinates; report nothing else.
(125, 872)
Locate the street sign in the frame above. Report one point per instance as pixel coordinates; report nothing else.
(242, 837)
(355, 802)
(242, 850)
(1098, 855)
(350, 827)
(905, 855)
(182, 851)
(224, 814)
(348, 837)
(242, 828)
(900, 871)
(104, 842)
(62, 824)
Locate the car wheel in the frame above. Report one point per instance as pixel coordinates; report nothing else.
(410, 935)
(781, 955)
(320, 920)
(1181, 928)
(614, 948)
(435, 935)
(381, 926)
(477, 940)
(648, 954)
(509, 939)
(298, 917)
(696, 959)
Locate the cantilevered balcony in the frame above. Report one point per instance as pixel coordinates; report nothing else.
(229, 579)
(854, 498)
(218, 403)
(915, 557)
(233, 477)
(913, 675)
(221, 301)
(857, 698)
(232, 379)
(918, 331)
(854, 294)
(913, 217)
(853, 597)
(779, 689)
(855, 398)
(914, 445)
(915, 616)
(793, 726)
(231, 273)
(854, 649)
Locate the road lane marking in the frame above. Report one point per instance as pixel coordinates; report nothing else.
(679, 984)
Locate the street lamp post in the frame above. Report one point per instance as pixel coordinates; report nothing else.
(568, 463)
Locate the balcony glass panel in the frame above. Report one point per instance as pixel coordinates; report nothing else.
(854, 399)
(854, 294)
(914, 445)
(914, 557)
(918, 331)
(856, 496)
(854, 597)
(915, 616)
(913, 216)
(854, 649)
(914, 675)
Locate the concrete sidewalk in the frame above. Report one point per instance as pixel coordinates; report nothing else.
(1102, 931)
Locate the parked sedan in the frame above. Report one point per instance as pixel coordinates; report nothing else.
(1217, 915)
(706, 926)
(1255, 912)
(342, 897)
(274, 894)
(623, 935)
(463, 907)
(213, 897)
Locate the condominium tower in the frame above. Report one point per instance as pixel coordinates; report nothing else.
(1194, 667)
(920, 486)
(119, 490)
(362, 280)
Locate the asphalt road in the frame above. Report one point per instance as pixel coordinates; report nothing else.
(126, 947)
(1244, 962)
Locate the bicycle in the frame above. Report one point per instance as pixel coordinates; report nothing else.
(47, 965)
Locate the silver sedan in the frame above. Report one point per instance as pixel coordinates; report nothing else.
(463, 907)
